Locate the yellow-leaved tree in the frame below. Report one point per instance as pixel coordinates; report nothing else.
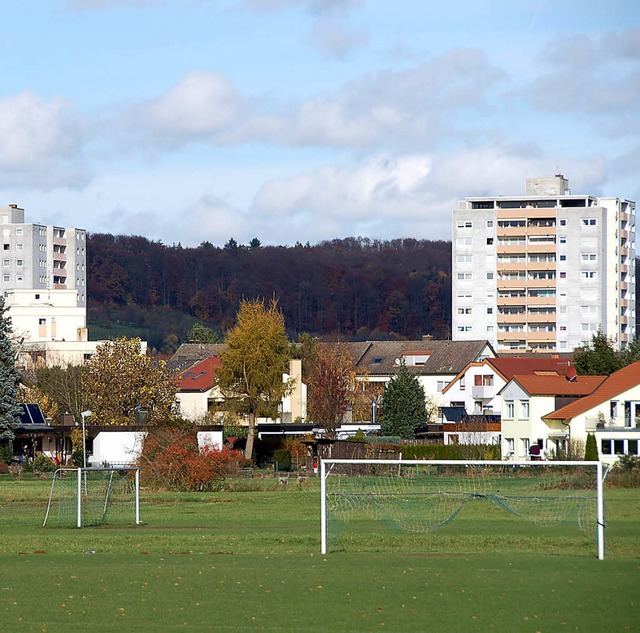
(118, 381)
(257, 354)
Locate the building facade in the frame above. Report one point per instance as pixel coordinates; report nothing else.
(43, 278)
(544, 271)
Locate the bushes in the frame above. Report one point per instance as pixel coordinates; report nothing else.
(450, 451)
(6, 453)
(172, 460)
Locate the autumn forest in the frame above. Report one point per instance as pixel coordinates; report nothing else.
(354, 288)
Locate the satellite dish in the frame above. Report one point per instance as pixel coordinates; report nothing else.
(397, 361)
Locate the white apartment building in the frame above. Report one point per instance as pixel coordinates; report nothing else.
(543, 271)
(43, 278)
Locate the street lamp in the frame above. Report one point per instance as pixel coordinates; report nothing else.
(84, 415)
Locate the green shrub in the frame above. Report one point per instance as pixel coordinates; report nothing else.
(358, 437)
(6, 453)
(384, 439)
(77, 458)
(43, 464)
(450, 451)
(282, 459)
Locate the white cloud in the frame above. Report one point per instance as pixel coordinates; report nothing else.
(335, 38)
(198, 107)
(40, 142)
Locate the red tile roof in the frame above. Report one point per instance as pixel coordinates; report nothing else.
(510, 367)
(199, 377)
(550, 385)
(619, 382)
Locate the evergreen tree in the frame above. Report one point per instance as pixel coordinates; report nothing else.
(599, 358)
(9, 407)
(403, 405)
(200, 333)
(591, 449)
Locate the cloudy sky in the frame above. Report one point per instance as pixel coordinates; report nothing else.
(306, 120)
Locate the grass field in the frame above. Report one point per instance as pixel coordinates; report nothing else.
(249, 561)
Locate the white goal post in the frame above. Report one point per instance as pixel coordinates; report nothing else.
(93, 496)
(424, 495)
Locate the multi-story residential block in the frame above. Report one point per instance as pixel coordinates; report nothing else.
(543, 271)
(43, 278)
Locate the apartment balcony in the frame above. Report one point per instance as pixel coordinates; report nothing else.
(511, 266)
(511, 301)
(511, 284)
(511, 336)
(541, 318)
(542, 247)
(510, 231)
(526, 213)
(624, 268)
(511, 249)
(624, 251)
(541, 283)
(59, 241)
(511, 318)
(623, 233)
(600, 423)
(624, 217)
(541, 230)
(483, 392)
(541, 301)
(540, 337)
(542, 265)
(624, 285)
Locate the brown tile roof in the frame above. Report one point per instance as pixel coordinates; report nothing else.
(553, 385)
(199, 377)
(189, 354)
(619, 382)
(446, 357)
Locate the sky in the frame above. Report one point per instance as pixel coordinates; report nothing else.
(307, 120)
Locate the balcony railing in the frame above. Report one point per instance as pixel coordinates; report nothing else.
(608, 424)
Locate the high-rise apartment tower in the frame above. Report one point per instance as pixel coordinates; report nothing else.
(544, 271)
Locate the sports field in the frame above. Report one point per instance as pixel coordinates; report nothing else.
(250, 561)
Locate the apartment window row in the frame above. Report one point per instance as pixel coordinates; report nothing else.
(18, 279)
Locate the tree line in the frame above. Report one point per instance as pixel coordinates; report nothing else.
(354, 288)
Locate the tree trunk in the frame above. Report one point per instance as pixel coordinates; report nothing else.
(248, 451)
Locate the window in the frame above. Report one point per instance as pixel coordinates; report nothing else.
(42, 321)
(509, 409)
(37, 296)
(464, 241)
(464, 224)
(6, 247)
(563, 223)
(19, 231)
(464, 328)
(524, 446)
(489, 224)
(489, 310)
(489, 328)
(19, 247)
(19, 279)
(464, 276)
(18, 262)
(6, 278)
(6, 262)
(563, 258)
(524, 409)
(589, 257)
(483, 380)
(563, 275)
(463, 383)
(464, 259)
(441, 385)
(464, 310)
(588, 274)
(562, 240)
(509, 444)
(489, 275)
(589, 222)
(489, 241)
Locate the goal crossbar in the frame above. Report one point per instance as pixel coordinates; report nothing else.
(327, 465)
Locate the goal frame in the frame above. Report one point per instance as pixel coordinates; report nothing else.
(597, 465)
(79, 476)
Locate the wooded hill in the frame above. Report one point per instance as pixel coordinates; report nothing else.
(355, 288)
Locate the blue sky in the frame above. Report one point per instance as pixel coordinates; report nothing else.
(308, 120)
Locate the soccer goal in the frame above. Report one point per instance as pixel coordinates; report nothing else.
(360, 496)
(82, 497)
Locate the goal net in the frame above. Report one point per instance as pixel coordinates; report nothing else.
(82, 497)
(362, 501)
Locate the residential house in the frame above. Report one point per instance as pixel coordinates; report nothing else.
(471, 404)
(611, 412)
(527, 400)
(197, 389)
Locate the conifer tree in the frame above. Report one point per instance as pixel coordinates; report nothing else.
(591, 449)
(403, 405)
(9, 407)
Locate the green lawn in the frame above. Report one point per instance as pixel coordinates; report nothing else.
(250, 561)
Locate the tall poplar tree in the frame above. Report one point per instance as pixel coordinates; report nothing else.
(257, 354)
(9, 407)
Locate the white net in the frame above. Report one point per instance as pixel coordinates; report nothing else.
(422, 497)
(83, 497)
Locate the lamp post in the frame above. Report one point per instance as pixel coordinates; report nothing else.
(84, 415)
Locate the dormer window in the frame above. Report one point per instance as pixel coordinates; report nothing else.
(416, 359)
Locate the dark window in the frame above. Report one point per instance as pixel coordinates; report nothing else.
(605, 447)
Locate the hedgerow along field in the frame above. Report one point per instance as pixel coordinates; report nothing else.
(248, 560)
